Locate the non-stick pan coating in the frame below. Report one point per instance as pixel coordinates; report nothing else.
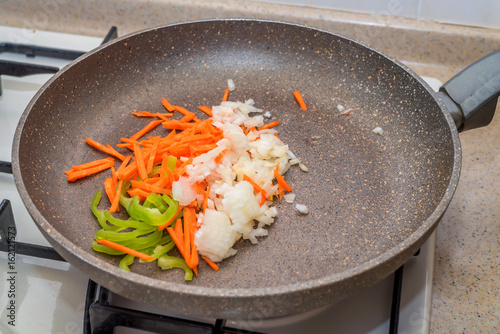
(373, 199)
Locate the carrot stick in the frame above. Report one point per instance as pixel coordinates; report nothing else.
(281, 180)
(226, 95)
(187, 238)
(90, 164)
(185, 112)
(108, 187)
(197, 137)
(176, 238)
(148, 187)
(167, 105)
(78, 174)
(300, 100)
(210, 263)
(106, 149)
(194, 258)
(124, 249)
(269, 125)
(221, 155)
(116, 200)
(124, 164)
(151, 125)
(206, 110)
(150, 114)
(176, 125)
(171, 220)
(138, 192)
(255, 186)
(178, 229)
(152, 155)
(139, 159)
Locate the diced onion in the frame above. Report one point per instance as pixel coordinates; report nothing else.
(230, 84)
(290, 197)
(378, 130)
(303, 167)
(302, 208)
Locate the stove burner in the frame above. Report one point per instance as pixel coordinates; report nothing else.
(101, 317)
(8, 232)
(20, 69)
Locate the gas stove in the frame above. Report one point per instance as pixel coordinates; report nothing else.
(41, 293)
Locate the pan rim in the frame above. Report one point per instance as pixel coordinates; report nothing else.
(413, 239)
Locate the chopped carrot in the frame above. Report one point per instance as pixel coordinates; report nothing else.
(178, 227)
(300, 100)
(187, 113)
(206, 110)
(139, 159)
(150, 114)
(257, 188)
(78, 174)
(124, 249)
(167, 105)
(116, 200)
(151, 125)
(124, 163)
(269, 125)
(281, 180)
(138, 192)
(187, 237)
(110, 190)
(107, 149)
(90, 164)
(226, 95)
(210, 263)
(219, 157)
(149, 187)
(245, 131)
(152, 155)
(178, 240)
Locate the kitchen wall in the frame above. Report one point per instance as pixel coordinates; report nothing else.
(482, 13)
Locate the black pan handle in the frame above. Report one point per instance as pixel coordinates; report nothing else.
(471, 95)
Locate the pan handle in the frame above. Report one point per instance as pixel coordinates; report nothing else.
(471, 95)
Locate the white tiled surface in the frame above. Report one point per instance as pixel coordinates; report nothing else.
(483, 13)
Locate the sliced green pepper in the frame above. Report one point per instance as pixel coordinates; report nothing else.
(129, 223)
(100, 214)
(160, 250)
(126, 261)
(157, 201)
(168, 262)
(122, 236)
(151, 216)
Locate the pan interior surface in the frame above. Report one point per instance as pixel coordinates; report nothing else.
(366, 192)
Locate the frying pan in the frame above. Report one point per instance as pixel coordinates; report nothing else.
(373, 198)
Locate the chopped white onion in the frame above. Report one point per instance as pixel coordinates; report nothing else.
(378, 130)
(303, 167)
(290, 197)
(232, 199)
(340, 107)
(230, 84)
(302, 208)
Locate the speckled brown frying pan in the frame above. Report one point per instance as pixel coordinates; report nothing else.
(373, 199)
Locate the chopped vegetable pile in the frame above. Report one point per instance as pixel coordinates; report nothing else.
(200, 188)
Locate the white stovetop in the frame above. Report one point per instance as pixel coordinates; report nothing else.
(50, 296)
